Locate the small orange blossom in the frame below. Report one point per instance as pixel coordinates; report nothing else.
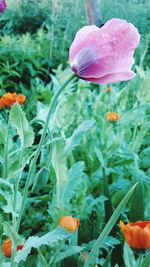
(7, 247)
(113, 116)
(69, 223)
(137, 234)
(9, 99)
(108, 89)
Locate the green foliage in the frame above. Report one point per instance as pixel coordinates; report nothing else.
(35, 242)
(129, 257)
(9, 231)
(108, 227)
(19, 121)
(28, 59)
(108, 259)
(146, 261)
(72, 183)
(87, 164)
(73, 141)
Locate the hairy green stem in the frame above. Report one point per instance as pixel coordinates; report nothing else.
(13, 264)
(38, 150)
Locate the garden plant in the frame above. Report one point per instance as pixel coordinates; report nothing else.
(74, 135)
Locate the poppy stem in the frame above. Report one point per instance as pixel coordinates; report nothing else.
(38, 150)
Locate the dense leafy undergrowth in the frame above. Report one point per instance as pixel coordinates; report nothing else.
(86, 148)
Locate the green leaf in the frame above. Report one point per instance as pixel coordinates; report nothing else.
(77, 135)
(40, 180)
(75, 179)
(19, 121)
(3, 132)
(137, 203)
(108, 203)
(10, 232)
(146, 261)
(35, 242)
(7, 192)
(41, 260)
(110, 242)
(107, 260)
(128, 256)
(69, 252)
(8, 208)
(100, 157)
(6, 264)
(7, 184)
(108, 227)
(143, 92)
(137, 200)
(60, 167)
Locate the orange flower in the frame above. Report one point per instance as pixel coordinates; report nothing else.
(7, 247)
(113, 116)
(9, 99)
(137, 234)
(108, 89)
(69, 223)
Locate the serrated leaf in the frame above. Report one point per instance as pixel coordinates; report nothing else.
(35, 242)
(92, 203)
(60, 167)
(110, 242)
(77, 135)
(75, 179)
(19, 121)
(8, 208)
(7, 184)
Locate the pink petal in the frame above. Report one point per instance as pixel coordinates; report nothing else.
(113, 77)
(80, 38)
(97, 52)
(2, 5)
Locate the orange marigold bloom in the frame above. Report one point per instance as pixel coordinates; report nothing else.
(69, 223)
(137, 234)
(113, 116)
(9, 99)
(7, 247)
(108, 89)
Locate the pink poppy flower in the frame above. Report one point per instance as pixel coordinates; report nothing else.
(104, 55)
(2, 5)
